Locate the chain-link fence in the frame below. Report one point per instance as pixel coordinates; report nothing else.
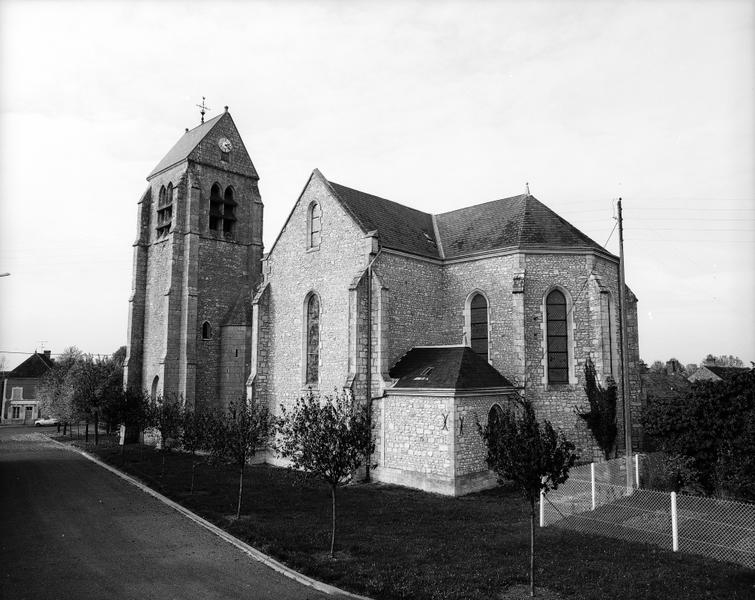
(601, 499)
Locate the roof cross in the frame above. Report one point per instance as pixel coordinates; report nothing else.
(203, 108)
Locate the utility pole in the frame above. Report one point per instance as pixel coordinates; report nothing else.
(624, 356)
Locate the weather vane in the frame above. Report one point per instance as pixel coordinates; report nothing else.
(203, 108)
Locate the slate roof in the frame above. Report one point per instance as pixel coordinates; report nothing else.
(185, 145)
(517, 222)
(399, 227)
(445, 367)
(34, 366)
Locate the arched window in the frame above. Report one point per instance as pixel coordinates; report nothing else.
(495, 415)
(314, 225)
(478, 325)
(312, 341)
(557, 338)
(155, 382)
(206, 331)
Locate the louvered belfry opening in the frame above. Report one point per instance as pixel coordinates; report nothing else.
(164, 210)
(558, 354)
(222, 210)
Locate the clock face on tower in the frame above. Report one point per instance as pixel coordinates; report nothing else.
(225, 144)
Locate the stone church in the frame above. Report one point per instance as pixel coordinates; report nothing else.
(436, 320)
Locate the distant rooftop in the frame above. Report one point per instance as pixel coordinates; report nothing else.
(34, 366)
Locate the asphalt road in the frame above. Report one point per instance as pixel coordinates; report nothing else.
(69, 529)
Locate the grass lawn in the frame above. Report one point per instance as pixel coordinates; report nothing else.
(398, 543)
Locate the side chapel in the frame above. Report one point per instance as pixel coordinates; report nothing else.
(437, 320)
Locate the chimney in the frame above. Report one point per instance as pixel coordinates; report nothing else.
(47, 353)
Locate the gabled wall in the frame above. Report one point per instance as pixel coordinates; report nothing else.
(292, 271)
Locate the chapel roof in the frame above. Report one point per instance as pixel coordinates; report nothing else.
(445, 367)
(516, 222)
(34, 366)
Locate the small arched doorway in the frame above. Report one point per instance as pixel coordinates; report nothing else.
(155, 383)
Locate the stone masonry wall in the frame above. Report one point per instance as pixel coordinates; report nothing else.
(413, 294)
(571, 272)
(228, 269)
(470, 450)
(494, 278)
(417, 438)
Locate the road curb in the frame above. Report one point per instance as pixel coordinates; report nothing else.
(244, 547)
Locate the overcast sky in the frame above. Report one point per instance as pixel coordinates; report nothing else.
(434, 105)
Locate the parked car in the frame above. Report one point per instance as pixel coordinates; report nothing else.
(46, 421)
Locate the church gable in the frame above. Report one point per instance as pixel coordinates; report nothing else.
(318, 218)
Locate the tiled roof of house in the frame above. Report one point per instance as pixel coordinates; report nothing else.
(34, 366)
(726, 372)
(399, 227)
(516, 222)
(184, 146)
(445, 367)
(660, 385)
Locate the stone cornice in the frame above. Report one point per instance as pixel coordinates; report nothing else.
(446, 392)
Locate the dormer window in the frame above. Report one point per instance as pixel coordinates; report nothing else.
(164, 210)
(424, 375)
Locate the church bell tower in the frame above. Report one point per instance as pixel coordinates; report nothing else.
(196, 261)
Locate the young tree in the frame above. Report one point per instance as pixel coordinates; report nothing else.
(601, 417)
(195, 425)
(164, 414)
(55, 392)
(246, 430)
(533, 455)
(327, 437)
(133, 411)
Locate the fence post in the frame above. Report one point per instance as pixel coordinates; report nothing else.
(637, 470)
(542, 509)
(592, 483)
(674, 524)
